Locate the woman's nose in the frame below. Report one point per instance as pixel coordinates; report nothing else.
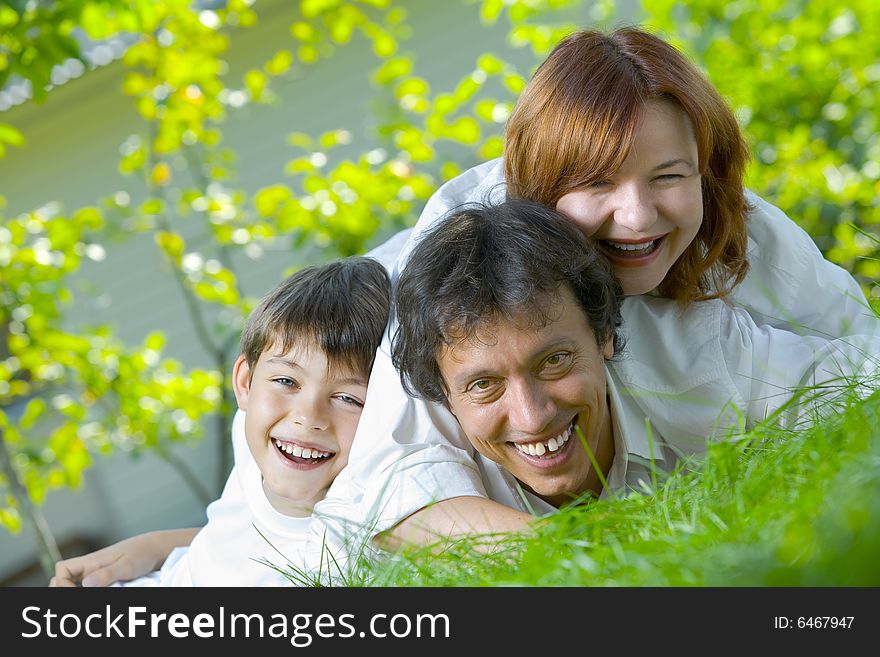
(635, 209)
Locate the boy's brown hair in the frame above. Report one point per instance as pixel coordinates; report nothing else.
(341, 308)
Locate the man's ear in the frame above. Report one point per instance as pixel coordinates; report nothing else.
(446, 399)
(608, 349)
(241, 382)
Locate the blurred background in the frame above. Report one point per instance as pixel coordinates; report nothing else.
(164, 164)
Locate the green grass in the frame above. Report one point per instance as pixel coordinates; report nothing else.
(778, 508)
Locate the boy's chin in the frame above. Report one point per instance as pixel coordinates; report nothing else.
(291, 502)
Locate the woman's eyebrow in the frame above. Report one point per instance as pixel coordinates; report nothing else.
(671, 163)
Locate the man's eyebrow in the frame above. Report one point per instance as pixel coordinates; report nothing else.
(545, 350)
(473, 375)
(671, 163)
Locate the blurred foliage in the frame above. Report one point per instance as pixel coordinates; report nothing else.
(36, 36)
(78, 393)
(804, 80)
(802, 77)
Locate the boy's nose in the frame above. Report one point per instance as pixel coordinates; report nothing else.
(311, 422)
(310, 415)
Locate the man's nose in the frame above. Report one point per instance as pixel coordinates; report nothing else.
(531, 409)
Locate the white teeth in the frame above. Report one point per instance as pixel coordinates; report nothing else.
(644, 246)
(552, 445)
(296, 450)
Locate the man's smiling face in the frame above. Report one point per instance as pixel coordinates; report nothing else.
(519, 390)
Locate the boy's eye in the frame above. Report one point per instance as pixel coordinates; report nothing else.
(286, 382)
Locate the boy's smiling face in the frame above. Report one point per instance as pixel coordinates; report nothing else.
(300, 422)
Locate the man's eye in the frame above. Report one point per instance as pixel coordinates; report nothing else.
(557, 360)
(480, 385)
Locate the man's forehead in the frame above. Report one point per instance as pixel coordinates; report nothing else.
(520, 335)
(547, 314)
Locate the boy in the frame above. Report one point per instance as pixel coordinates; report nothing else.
(306, 355)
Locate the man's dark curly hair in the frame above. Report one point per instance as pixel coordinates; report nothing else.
(483, 263)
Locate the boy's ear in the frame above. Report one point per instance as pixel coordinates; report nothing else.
(241, 381)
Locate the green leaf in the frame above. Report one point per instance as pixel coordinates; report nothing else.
(280, 62)
(32, 412)
(9, 135)
(170, 243)
(393, 69)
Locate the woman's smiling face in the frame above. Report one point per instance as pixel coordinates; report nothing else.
(645, 215)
